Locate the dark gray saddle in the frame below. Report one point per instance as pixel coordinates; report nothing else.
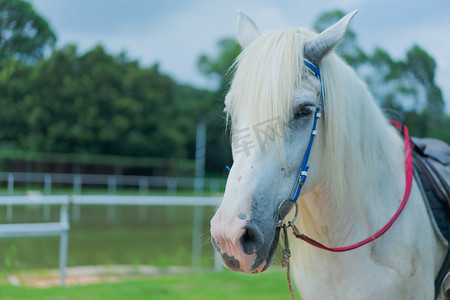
(431, 159)
(432, 164)
(435, 149)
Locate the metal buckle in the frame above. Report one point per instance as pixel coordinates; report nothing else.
(280, 220)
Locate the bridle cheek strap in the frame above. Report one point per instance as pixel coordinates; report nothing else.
(409, 177)
(303, 173)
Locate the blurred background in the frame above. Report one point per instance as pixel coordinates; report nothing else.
(111, 121)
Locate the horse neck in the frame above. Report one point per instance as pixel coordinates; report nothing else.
(361, 178)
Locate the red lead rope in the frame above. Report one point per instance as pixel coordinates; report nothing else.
(409, 176)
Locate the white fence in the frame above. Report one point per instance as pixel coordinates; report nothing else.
(143, 183)
(62, 227)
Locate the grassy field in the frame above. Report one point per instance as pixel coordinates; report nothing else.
(225, 285)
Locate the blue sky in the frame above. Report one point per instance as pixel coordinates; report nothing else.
(175, 32)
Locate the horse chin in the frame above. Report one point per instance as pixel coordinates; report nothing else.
(268, 258)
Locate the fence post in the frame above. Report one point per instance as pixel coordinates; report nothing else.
(112, 184)
(77, 182)
(47, 190)
(112, 189)
(10, 183)
(143, 185)
(172, 185)
(9, 213)
(76, 209)
(143, 190)
(28, 174)
(46, 212)
(63, 243)
(48, 184)
(200, 155)
(9, 208)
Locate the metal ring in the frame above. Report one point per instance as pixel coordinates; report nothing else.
(280, 221)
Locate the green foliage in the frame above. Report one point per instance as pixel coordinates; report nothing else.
(24, 35)
(96, 103)
(92, 103)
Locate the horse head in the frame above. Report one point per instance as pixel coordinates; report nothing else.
(272, 103)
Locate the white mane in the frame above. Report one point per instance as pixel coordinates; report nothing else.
(359, 142)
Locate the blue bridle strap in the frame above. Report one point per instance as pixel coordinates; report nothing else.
(303, 173)
(312, 67)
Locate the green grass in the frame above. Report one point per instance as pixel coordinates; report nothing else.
(225, 285)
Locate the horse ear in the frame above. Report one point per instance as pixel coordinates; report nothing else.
(320, 46)
(246, 31)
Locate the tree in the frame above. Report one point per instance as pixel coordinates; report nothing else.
(419, 72)
(97, 103)
(14, 79)
(420, 69)
(94, 102)
(24, 35)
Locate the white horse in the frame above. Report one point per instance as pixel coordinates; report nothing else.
(356, 177)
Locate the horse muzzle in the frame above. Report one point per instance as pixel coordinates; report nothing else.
(243, 245)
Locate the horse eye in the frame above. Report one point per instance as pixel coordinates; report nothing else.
(303, 111)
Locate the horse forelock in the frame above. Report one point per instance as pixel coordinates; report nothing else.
(266, 74)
